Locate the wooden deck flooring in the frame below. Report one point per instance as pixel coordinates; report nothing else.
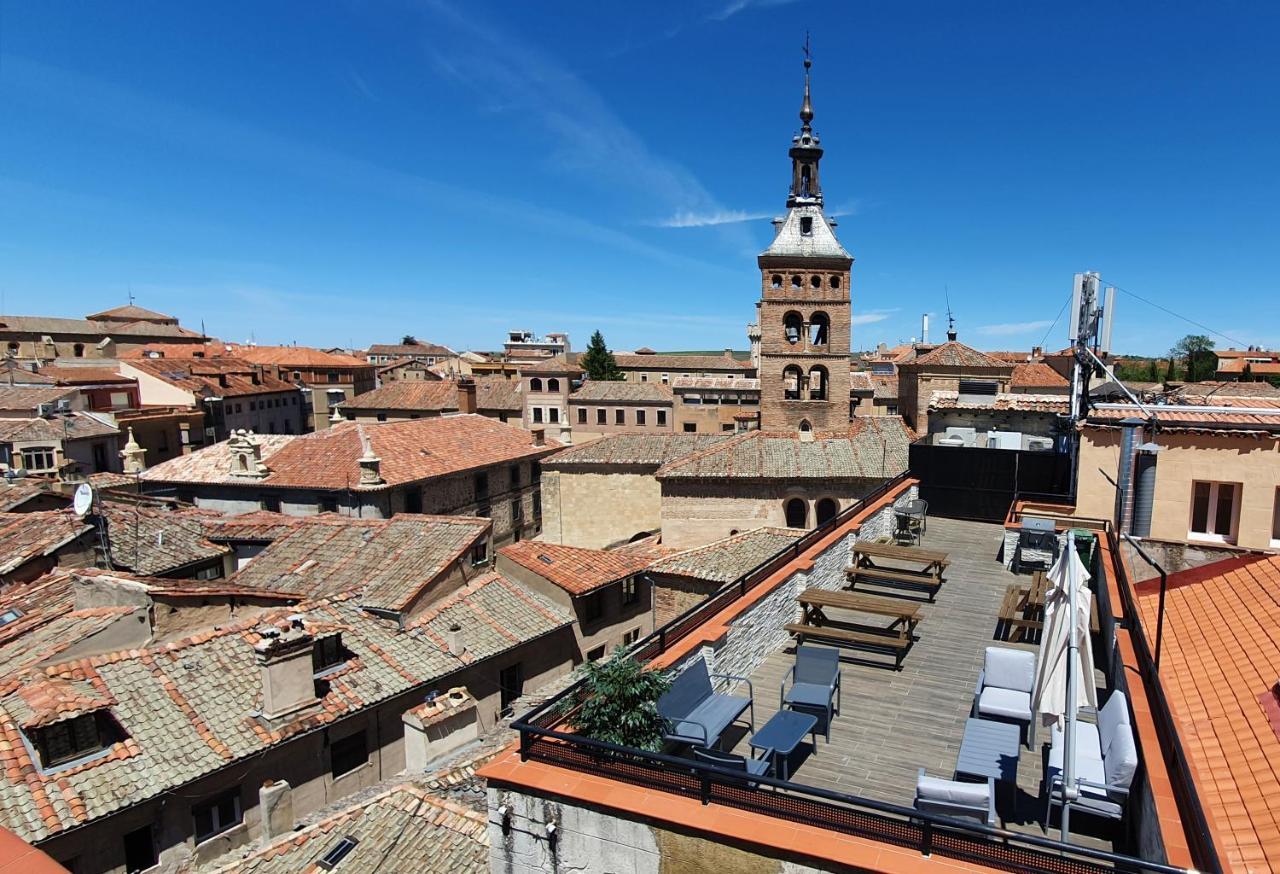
(894, 722)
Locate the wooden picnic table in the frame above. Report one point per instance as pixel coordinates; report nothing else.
(1023, 608)
(927, 574)
(816, 624)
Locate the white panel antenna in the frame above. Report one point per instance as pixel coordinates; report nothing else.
(1108, 317)
(1077, 295)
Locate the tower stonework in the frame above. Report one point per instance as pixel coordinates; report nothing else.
(804, 309)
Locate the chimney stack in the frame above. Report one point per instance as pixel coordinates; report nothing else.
(466, 394)
(539, 436)
(370, 464)
(924, 330)
(453, 639)
(133, 455)
(275, 806)
(284, 666)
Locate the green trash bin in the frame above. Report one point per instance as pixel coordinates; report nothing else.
(1084, 541)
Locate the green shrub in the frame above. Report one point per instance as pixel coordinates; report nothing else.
(619, 702)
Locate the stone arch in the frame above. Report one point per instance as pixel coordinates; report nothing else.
(792, 327)
(535, 384)
(825, 510)
(796, 512)
(819, 329)
(818, 383)
(776, 280)
(553, 384)
(792, 380)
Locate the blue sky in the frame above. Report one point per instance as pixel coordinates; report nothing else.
(337, 173)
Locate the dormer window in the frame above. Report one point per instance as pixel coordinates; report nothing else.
(328, 654)
(806, 225)
(72, 739)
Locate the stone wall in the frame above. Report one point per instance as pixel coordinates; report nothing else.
(596, 510)
(1009, 550)
(589, 841)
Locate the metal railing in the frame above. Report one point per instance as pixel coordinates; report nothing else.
(849, 814)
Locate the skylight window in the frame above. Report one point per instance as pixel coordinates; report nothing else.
(11, 615)
(337, 853)
(545, 559)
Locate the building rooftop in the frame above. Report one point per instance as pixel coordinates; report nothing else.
(685, 363)
(407, 825)
(872, 448)
(213, 377)
(130, 313)
(16, 492)
(644, 450)
(206, 349)
(190, 707)
(791, 242)
(734, 383)
(51, 325)
(410, 451)
(1213, 392)
(620, 392)
(410, 349)
(1001, 402)
(956, 354)
(296, 356)
(156, 542)
(859, 380)
(557, 364)
(1220, 660)
(28, 398)
(885, 387)
(724, 561)
(575, 569)
(1037, 374)
(1259, 415)
(72, 375)
(389, 561)
(416, 395)
(75, 425)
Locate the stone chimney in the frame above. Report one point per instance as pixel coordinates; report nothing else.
(728, 353)
(284, 667)
(566, 431)
(275, 809)
(539, 436)
(370, 464)
(438, 726)
(453, 640)
(133, 455)
(466, 394)
(246, 455)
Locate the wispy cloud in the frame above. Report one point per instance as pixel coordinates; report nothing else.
(733, 7)
(1011, 329)
(689, 219)
(870, 318)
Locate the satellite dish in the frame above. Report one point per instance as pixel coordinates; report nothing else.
(82, 503)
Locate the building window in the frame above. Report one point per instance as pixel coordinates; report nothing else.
(1214, 510)
(253, 406)
(537, 415)
(817, 383)
(662, 418)
(666, 378)
(835, 282)
(775, 281)
(602, 416)
(796, 281)
(792, 376)
(725, 426)
(333, 376)
(797, 513)
(819, 329)
(631, 637)
(690, 427)
(215, 816)
(537, 508)
(792, 325)
(640, 417)
(517, 512)
(480, 553)
(619, 417)
(38, 458)
(270, 503)
(69, 739)
(328, 505)
(139, 850)
(630, 591)
(510, 686)
(513, 476)
(825, 511)
(348, 754)
(806, 225)
(535, 384)
(592, 608)
(78, 350)
(815, 282)
(891, 409)
(553, 414)
(553, 385)
(596, 654)
(327, 653)
(582, 415)
(644, 377)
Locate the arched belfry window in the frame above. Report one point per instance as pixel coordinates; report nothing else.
(805, 426)
(819, 329)
(535, 384)
(796, 281)
(797, 513)
(824, 511)
(792, 380)
(553, 385)
(806, 174)
(776, 280)
(792, 325)
(817, 383)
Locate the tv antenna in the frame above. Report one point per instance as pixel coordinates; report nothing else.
(951, 320)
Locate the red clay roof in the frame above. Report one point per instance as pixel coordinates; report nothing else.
(575, 569)
(296, 356)
(956, 354)
(1219, 665)
(1037, 375)
(206, 376)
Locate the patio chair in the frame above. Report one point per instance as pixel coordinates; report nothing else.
(756, 767)
(957, 799)
(1004, 688)
(906, 528)
(1106, 760)
(694, 713)
(815, 683)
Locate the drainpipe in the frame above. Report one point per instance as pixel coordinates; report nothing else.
(1130, 437)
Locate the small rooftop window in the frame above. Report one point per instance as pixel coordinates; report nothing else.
(11, 615)
(328, 654)
(545, 559)
(806, 225)
(337, 853)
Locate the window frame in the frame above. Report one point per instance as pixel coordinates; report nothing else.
(340, 747)
(215, 809)
(43, 738)
(1213, 512)
(630, 588)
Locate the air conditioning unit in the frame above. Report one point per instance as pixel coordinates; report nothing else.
(951, 440)
(64, 405)
(1040, 444)
(967, 436)
(44, 410)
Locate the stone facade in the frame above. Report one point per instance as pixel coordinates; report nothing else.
(598, 510)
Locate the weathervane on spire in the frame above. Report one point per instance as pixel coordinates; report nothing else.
(806, 109)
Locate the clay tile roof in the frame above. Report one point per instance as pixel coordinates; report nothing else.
(410, 451)
(28, 398)
(498, 393)
(1002, 402)
(187, 708)
(410, 349)
(417, 830)
(208, 349)
(85, 375)
(76, 425)
(1037, 375)
(870, 448)
(261, 526)
(1219, 666)
(645, 350)
(25, 537)
(576, 569)
(296, 356)
(16, 492)
(130, 313)
(390, 561)
(860, 380)
(157, 542)
(608, 391)
(1256, 415)
(886, 387)
(734, 383)
(725, 560)
(646, 450)
(41, 636)
(956, 354)
(206, 377)
(416, 395)
(558, 364)
(1213, 392)
(682, 362)
(44, 700)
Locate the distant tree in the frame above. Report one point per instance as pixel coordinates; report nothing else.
(408, 340)
(1197, 351)
(618, 702)
(598, 361)
(1153, 370)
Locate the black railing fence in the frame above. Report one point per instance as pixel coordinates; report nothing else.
(541, 740)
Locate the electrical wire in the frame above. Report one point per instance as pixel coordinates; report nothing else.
(1177, 315)
(1049, 331)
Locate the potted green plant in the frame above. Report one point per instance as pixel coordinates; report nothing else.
(618, 702)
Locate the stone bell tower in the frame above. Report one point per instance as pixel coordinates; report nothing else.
(804, 312)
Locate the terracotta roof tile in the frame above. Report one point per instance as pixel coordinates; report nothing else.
(886, 387)
(410, 349)
(736, 383)
(1220, 661)
(621, 392)
(1002, 402)
(296, 356)
(76, 425)
(1261, 415)
(131, 313)
(157, 542)
(410, 395)
(684, 363)
(28, 398)
(645, 450)
(860, 380)
(410, 451)
(725, 560)
(956, 354)
(576, 569)
(1037, 375)
(216, 377)
(25, 537)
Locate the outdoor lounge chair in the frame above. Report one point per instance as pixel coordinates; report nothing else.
(957, 799)
(1106, 759)
(734, 762)
(694, 713)
(1004, 688)
(815, 683)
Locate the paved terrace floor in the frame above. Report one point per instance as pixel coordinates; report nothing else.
(894, 722)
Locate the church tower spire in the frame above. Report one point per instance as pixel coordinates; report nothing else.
(804, 309)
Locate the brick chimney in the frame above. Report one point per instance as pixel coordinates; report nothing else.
(539, 436)
(438, 726)
(284, 666)
(466, 394)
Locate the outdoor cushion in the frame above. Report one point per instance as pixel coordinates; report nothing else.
(1010, 669)
(1005, 703)
(687, 691)
(952, 791)
(1086, 769)
(714, 715)
(1086, 742)
(1112, 715)
(810, 695)
(1122, 761)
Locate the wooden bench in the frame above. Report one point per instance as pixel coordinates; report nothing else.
(894, 575)
(927, 574)
(897, 645)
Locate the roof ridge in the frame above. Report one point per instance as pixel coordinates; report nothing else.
(699, 454)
